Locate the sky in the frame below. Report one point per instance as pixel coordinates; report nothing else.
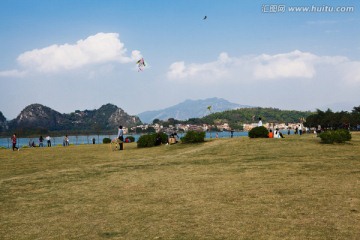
(75, 55)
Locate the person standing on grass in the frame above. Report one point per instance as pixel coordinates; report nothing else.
(120, 136)
(13, 140)
(41, 139)
(66, 141)
(260, 122)
(48, 139)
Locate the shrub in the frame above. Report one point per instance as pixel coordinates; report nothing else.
(258, 132)
(106, 140)
(193, 137)
(149, 140)
(335, 136)
(164, 138)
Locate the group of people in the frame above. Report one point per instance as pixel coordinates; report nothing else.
(173, 138)
(275, 134)
(31, 143)
(298, 130)
(14, 142)
(278, 134)
(41, 142)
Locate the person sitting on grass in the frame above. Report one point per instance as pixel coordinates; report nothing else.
(278, 134)
(281, 135)
(271, 134)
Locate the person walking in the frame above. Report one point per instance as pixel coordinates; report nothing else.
(120, 136)
(13, 140)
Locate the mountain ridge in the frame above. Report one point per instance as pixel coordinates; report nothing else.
(190, 109)
(39, 118)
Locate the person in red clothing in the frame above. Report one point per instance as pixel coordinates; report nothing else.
(13, 140)
(271, 134)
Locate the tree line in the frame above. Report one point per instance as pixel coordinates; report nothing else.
(236, 118)
(335, 120)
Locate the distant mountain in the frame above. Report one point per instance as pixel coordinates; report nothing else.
(190, 109)
(37, 118)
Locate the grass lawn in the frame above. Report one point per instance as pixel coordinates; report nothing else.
(239, 188)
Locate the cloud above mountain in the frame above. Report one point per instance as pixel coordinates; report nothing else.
(96, 49)
(264, 67)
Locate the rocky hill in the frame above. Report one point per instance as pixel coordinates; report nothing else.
(3, 123)
(190, 109)
(37, 118)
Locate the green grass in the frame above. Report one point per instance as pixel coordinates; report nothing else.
(240, 188)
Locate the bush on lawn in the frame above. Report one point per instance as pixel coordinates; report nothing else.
(149, 140)
(335, 136)
(258, 132)
(193, 137)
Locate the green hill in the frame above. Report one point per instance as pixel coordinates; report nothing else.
(235, 118)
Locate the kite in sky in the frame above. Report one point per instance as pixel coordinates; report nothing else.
(141, 64)
(205, 18)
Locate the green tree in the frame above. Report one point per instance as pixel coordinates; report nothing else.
(156, 120)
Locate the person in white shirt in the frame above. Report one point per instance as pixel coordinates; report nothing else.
(276, 133)
(48, 139)
(260, 122)
(300, 129)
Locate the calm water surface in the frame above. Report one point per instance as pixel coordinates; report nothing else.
(81, 139)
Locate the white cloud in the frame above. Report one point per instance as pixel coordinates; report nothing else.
(211, 70)
(295, 64)
(96, 49)
(323, 22)
(350, 72)
(278, 67)
(12, 73)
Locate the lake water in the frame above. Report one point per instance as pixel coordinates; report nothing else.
(78, 140)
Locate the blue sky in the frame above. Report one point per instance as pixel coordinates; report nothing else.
(77, 55)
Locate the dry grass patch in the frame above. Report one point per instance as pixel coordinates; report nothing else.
(240, 188)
